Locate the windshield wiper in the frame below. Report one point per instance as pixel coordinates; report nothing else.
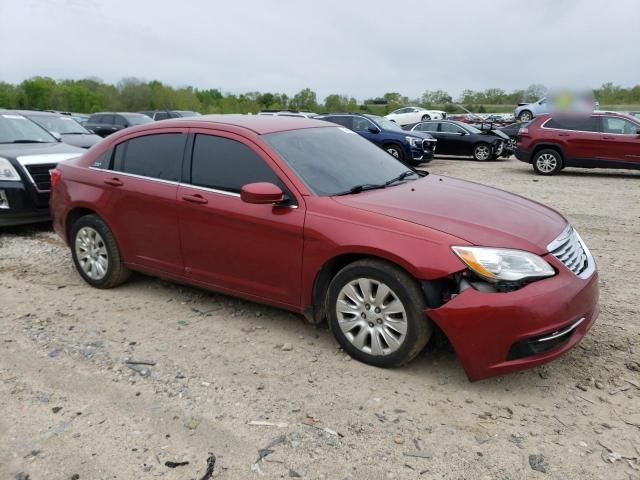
(361, 188)
(406, 174)
(28, 141)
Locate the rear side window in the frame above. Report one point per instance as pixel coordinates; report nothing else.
(427, 127)
(619, 126)
(344, 120)
(95, 119)
(225, 164)
(156, 156)
(580, 124)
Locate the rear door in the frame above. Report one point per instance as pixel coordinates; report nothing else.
(620, 140)
(248, 249)
(578, 135)
(138, 199)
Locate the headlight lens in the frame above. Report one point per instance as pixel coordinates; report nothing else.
(7, 172)
(503, 264)
(414, 142)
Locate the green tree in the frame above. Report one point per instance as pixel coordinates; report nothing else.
(437, 97)
(305, 100)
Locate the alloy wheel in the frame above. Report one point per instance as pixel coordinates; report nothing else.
(393, 151)
(547, 163)
(482, 152)
(371, 316)
(91, 252)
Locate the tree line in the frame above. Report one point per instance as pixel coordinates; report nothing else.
(132, 94)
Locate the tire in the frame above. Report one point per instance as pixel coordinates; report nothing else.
(525, 116)
(482, 152)
(547, 162)
(395, 151)
(377, 339)
(96, 254)
(426, 117)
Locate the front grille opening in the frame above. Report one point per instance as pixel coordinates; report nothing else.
(542, 343)
(41, 176)
(571, 253)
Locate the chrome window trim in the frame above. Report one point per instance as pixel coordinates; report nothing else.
(171, 182)
(564, 129)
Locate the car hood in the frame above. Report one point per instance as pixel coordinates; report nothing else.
(52, 150)
(472, 212)
(86, 140)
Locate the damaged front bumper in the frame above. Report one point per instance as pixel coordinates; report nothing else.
(498, 333)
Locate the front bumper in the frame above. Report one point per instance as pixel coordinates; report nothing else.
(486, 328)
(25, 206)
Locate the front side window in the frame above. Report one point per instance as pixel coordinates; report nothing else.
(161, 116)
(427, 127)
(361, 124)
(224, 164)
(156, 156)
(450, 128)
(619, 126)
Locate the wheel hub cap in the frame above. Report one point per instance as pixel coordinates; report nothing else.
(371, 316)
(547, 162)
(91, 253)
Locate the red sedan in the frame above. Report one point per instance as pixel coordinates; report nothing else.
(308, 216)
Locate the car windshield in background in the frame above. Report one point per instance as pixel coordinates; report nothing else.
(384, 123)
(61, 125)
(18, 129)
(471, 129)
(188, 113)
(138, 119)
(334, 160)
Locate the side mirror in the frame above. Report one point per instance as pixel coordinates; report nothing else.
(261, 193)
(57, 136)
(462, 133)
(638, 131)
(373, 129)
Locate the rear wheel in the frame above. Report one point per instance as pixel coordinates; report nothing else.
(395, 151)
(376, 312)
(426, 117)
(547, 162)
(482, 152)
(525, 116)
(96, 254)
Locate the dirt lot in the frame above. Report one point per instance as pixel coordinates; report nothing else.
(242, 380)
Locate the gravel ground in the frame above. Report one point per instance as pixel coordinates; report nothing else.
(243, 381)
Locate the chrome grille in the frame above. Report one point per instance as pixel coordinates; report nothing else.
(39, 173)
(569, 248)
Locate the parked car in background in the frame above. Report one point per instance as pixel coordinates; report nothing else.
(512, 130)
(287, 113)
(27, 153)
(599, 140)
(63, 127)
(634, 114)
(307, 216)
(461, 139)
(413, 149)
(106, 123)
(407, 115)
(165, 114)
(527, 111)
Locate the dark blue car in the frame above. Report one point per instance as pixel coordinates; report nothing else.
(412, 148)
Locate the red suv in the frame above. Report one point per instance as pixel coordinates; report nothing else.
(599, 140)
(309, 216)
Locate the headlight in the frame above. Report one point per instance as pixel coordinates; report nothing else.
(503, 264)
(7, 172)
(414, 142)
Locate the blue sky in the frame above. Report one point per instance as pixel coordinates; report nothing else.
(354, 47)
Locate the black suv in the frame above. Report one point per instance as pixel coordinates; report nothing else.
(106, 123)
(165, 114)
(27, 153)
(412, 148)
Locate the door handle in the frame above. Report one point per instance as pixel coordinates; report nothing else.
(608, 137)
(195, 198)
(563, 134)
(114, 182)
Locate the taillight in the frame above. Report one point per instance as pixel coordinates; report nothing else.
(523, 131)
(55, 177)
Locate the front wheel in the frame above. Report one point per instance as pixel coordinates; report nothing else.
(482, 152)
(96, 254)
(376, 312)
(395, 151)
(547, 162)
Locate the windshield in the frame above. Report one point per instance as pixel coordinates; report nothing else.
(18, 129)
(62, 125)
(384, 123)
(138, 119)
(335, 159)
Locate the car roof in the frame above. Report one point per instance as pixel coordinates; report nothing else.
(39, 113)
(260, 124)
(118, 113)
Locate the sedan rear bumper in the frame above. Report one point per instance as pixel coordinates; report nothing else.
(498, 333)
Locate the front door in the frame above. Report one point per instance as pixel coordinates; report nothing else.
(620, 140)
(253, 250)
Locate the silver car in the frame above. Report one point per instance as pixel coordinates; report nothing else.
(526, 111)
